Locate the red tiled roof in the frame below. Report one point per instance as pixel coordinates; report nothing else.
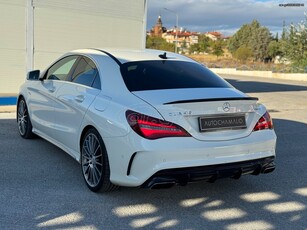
(185, 33)
(215, 33)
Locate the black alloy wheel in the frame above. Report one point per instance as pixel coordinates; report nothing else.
(23, 120)
(95, 163)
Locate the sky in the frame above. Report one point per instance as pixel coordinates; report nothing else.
(224, 16)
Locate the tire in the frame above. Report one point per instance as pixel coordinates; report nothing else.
(94, 163)
(23, 120)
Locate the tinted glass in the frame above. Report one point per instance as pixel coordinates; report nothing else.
(85, 72)
(96, 83)
(154, 75)
(61, 69)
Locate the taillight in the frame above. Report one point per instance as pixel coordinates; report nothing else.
(265, 122)
(153, 128)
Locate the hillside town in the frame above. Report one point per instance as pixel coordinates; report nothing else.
(252, 45)
(180, 37)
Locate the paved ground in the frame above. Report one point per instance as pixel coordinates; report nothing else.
(41, 187)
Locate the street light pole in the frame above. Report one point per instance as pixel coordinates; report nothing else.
(176, 38)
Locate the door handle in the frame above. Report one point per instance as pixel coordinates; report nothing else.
(79, 98)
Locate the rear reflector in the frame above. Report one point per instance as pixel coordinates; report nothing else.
(153, 128)
(265, 122)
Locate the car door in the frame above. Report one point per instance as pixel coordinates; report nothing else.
(43, 94)
(73, 99)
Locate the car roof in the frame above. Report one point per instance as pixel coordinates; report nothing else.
(123, 56)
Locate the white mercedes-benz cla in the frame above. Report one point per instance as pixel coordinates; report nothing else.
(145, 118)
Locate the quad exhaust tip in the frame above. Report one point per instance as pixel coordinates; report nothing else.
(169, 180)
(165, 183)
(269, 168)
(160, 183)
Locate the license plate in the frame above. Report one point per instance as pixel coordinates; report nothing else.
(222, 122)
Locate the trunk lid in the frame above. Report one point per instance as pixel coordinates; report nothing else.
(186, 107)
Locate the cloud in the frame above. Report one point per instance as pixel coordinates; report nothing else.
(222, 15)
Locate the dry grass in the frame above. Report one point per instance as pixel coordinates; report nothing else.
(227, 61)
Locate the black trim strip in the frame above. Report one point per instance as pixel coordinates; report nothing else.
(130, 163)
(213, 99)
(210, 173)
(110, 55)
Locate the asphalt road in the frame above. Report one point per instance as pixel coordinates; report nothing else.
(41, 187)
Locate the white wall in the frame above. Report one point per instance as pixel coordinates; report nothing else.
(12, 45)
(66, 25)
(37, 33)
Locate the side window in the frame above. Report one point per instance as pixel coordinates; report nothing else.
(61, 69)
(86, 73)
(96, 83)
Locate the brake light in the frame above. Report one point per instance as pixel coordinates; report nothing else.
(153, 128)
(265, 122)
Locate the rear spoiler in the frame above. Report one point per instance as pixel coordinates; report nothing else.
(213, 99)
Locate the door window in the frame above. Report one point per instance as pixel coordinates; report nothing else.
(86, 73)
(61, 69)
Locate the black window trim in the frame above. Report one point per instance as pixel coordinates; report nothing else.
(72, 68)
(110, 55)
(80, 56)
(69, 76)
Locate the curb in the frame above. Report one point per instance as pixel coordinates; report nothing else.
(8, 109)
(265, 74)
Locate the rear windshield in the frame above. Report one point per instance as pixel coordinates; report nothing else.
(166, 74)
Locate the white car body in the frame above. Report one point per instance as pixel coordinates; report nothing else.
(61, 111)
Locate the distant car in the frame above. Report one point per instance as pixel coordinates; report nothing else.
(146, 118)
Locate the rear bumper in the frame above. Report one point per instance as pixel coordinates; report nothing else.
(182, 176)
(133, 162)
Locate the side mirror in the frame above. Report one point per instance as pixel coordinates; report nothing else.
(33, 75)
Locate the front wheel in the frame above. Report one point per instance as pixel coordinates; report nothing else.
(23, 120)
(95, 163)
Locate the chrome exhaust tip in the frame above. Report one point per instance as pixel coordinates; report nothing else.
(159, 183)
(268, 168)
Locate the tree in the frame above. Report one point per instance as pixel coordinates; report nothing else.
(260, 43)
(296, 44)
(275, 48)
(217, 48)
(254, 36)
(276, 37)
(203, 44)
(283, 34)
(240, 38)
(158, 43)
(243, 53)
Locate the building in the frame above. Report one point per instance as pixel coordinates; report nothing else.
(158, 29)
(184, 38)
(214, 35)
(35, 32)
